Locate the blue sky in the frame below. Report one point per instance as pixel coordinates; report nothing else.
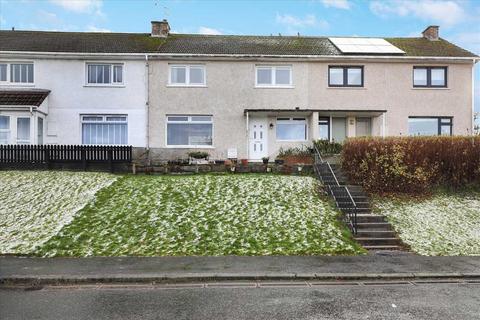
(459, 20)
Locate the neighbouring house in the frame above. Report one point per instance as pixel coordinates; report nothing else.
(232, 96)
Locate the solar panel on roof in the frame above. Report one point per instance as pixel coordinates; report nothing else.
(365, 45)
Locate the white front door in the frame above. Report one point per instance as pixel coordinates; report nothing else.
(258, 139)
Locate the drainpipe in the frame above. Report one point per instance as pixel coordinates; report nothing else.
(248, 135)
(147, 106)
(473, 96)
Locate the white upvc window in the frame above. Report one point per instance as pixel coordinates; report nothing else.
(291, 129)
(273, 76)
(189, 131)
(104, 129)
(23, 130)
(104, 74)
(4, 129)
(192, 75)
(16, 73)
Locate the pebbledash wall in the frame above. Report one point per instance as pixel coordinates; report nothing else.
(230, 89)
(71, 97)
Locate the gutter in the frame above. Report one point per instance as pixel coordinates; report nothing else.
(228, 56)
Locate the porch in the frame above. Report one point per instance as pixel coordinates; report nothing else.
(268, 130)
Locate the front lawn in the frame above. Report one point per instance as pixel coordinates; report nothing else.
(445, 224)
(35, 205)
(204, 215)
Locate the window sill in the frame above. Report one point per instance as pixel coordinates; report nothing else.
(104, 86)
(274, 87)
(291, 140)
(190, 147)
(185, 86)
(347, 88)
(16, 84)
(430, 88)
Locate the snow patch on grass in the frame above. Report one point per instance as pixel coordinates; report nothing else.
(205, 215)
(35, 205)
(446, 224)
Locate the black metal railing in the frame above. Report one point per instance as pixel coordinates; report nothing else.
(77, 156)
(340, 193)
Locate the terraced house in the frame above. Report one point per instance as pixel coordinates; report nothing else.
(233, 96)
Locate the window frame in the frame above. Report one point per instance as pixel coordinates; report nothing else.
(273, 70)
(187, 83)
(103, 121)
(24, 142)
(327, 119)
(440, 123)
(8, 130)
(291, 119)
(429, 76)
(112, 67)
(345, 76)
(8, 81)
(189, 121)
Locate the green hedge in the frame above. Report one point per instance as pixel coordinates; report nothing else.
(412, 164)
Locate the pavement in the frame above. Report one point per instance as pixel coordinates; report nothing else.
(439, 301)
(44, 271)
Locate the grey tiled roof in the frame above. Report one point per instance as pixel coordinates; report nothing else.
(88, 42)
(254, 45)
(78, 42)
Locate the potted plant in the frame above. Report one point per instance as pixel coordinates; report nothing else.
(265, 160)
(244, 162)
(198, 157)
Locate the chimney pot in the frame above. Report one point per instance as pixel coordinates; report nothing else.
(431, 33)
(160, 29)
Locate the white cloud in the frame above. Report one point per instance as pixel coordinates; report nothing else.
(447, 13)
(48, 18)
(339, 4)
(296, 22)
(92, 28)
(207, 30)
(80, 6)
(468, 40)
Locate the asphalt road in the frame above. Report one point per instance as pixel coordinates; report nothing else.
(390, 301)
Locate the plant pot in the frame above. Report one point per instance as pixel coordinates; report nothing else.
(265, 161)
(279, 161)
(244, 162)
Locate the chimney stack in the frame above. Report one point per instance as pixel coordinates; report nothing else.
(431, 33)
(160, 29)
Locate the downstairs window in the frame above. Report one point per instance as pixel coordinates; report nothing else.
(189, 131)
(104, 129)
(430, 126)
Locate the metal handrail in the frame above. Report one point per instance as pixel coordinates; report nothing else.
(333, 174)
(318, 153)
(354, 220)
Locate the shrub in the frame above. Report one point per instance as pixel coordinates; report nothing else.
(198, 154)
(412, 164)
(296, 155)
(327, 147)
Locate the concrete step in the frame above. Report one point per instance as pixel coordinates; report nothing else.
(378, 241)
(372, 233)
(370, 218)
(359, 210)
(383, 248)
(384, 226)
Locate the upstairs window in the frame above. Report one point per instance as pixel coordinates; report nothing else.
(430, 77)
(291, 129)
(16, 73)
(104, 74)
(273, 76)
(187, 75)
(3, 72)
(345, 76)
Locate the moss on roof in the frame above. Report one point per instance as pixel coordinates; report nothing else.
(90, 42)
(426, 48)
